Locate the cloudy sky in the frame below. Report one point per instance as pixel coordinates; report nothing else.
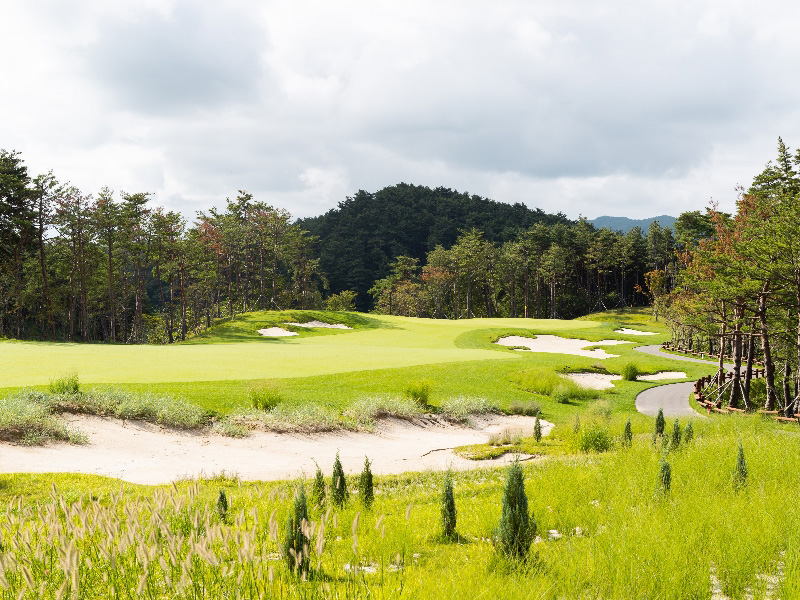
(617, 107)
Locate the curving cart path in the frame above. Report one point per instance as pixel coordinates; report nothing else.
(673, 398)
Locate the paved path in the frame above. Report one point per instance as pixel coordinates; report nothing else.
(672, 398)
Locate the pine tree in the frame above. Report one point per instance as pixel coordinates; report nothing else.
(517, 528)
(537, 430)
(627, 434)
(740, 470)
(660, 422)
(296, 548)
(339, 493)
(318, 491)
(365, 491)
(665, 476)
(222, 506)
(688, 433)
(448, 508)
(676, 435)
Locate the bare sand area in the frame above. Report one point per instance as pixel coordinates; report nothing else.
(276, 332)
(627, 331)
(600, 381)
(559, 345)
(144, 453)
(320, 324)
(663, 375)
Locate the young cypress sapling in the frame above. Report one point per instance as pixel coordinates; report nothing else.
(676, 435)
(365, 490)
(517, 528)
(222, 506)
(660, 422)
(318, 491)
(688, 433)
(296, 547)
(448, 508)
(627, 434)
(537, 430)
(576, 425)
(665, 476)
(339, 493)
(740, 470)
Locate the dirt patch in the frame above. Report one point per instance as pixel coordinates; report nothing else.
(145, 453)
(558, 345)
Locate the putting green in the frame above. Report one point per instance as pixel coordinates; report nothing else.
(404, 342)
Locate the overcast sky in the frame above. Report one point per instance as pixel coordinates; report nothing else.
(588, 107)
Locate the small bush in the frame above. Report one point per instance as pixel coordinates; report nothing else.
(25, 420)
(296, 547)
(630, 372)
(230, 429)
(537, 430)
(561, 394)
(448, 508)
(318, 491)
(627, 434)
(365, 490)
(601, 408)
(65, 385)
(343, 301)
(222, 506)
(505, 438)
(418, 391)
(339, 493)
(368, 409)
(526, 408)
(460, 408)
(740, 470)
(594, 438)
(688, 433)
(660, 422)
(264, 396)
(675, 442)
(517, 528)
(665, 477)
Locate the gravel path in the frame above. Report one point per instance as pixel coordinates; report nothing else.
(672, 398)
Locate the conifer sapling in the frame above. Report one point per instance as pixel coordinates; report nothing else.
(339, 493)
(627, 434)
(448, 508)
(517, 528)
(222, 506)
(576, 426)
(318, 491)
(676, 435)
(537, 430)
(665, 476)
(660, 422)
(688, 433)
(740, 471)
(296, 547)
(365, 490)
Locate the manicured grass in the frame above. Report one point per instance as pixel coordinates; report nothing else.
(620, 537)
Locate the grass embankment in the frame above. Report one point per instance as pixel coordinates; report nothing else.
(621, 537)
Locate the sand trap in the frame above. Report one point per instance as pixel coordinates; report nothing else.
(558, 345)
(276, 332)
(594, 381)
(663, 375)
(144, 453)
(321, 324)
(627, 331)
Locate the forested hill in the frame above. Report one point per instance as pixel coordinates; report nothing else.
(624, 224)
(359, 238)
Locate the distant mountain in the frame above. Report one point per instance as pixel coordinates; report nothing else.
(624, 224)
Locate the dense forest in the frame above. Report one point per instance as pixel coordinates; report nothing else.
(118, 268)
(737, 291)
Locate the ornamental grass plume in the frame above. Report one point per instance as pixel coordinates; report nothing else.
(517, 528)
(448, 508)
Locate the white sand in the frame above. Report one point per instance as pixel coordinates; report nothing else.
(627, 331)
(594, 381)
(663, 375)
(276, 332)
(321, 324)
(144, 453)
(558, 345)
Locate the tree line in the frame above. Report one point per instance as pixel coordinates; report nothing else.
(737, 294)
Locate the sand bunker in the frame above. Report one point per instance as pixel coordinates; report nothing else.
(594, 381)
(276, 332)
(321, 324)
(144, 453)
(627, 331)
(558, 345)
(663, 375)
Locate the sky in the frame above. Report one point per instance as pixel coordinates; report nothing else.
(586, 107)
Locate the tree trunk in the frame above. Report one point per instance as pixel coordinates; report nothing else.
(736, 342)
(769, 366)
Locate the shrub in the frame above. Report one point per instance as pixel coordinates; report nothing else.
(630, 372)
(505, 438)
(343, 301)
(65, 385)
(517, 528)
(318, 491)
(296, 548)
(460, 408)
(527, 408)
(365, 490)
(740, 470)
(264, 396)
(339, 493)
(665, 477)
(627, 434)
(419, 391)
(230, 429)
(448, 508)
(594, 438)
(675, 442)
(537, 430)
(24, 419)
(688, 433)
(561, 394)
(660, 422)
(222, 506)
(601, 408)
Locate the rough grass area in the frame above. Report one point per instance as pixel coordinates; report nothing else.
(25, 420)
(605, 531)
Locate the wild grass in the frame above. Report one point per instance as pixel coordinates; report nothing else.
(618, 536)
(25, 420)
